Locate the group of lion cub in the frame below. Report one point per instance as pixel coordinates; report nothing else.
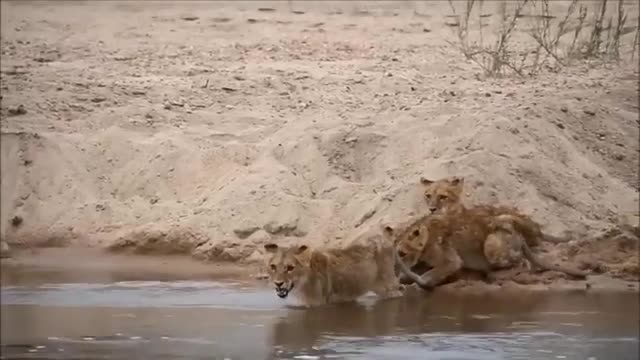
(449, 238)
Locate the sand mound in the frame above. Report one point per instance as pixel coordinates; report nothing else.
(219, 138)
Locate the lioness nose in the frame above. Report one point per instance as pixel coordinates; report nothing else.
(433, 209)
(279, 283)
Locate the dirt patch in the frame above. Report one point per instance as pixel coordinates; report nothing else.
(141, 127)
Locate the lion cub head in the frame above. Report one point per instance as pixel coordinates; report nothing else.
(286, 266)
(409, 242)
(442, 195)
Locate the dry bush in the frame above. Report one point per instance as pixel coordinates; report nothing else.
(579, 34)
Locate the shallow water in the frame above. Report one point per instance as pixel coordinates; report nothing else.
(59, 318)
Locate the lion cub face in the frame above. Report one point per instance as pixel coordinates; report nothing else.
(410, 242)
(285, 266)
(442, 195)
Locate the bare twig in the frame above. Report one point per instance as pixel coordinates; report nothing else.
(635, 40)
(581, 18)
(621, 20)
(548, 32)
(593, 48)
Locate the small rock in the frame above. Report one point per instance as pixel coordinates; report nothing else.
(190, 18)
(589, 112)
(167, 106)
(138, 92)
(560, 125)
(564, 109)
(17, 110)
(619, 157)
(244, 232)
(16, 220)
(154, 200)
(487, 94)
(98, 99)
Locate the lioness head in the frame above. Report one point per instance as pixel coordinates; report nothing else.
(409, 242)
(441, 195)
(285, 266)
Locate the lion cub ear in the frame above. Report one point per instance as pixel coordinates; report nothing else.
(456, 180)
(301, 249)
(271, 247)
(425, 181)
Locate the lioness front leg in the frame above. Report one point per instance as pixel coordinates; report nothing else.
(446, 266)
(388, 285)
(419, 269)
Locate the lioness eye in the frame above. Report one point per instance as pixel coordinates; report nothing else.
(428, 196)
(443, 197)
(290, 268)
(273, 267)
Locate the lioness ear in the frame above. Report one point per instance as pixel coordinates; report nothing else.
(271, 247)
(425, 181)
(301, 249)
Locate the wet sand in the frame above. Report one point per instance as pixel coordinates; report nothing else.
(124, 312)
(93, 264)
(96, 265)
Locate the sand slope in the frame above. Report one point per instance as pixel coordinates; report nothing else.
(147, 129)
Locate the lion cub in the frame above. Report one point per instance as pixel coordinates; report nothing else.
(318, 277)
(453, 241)
(444, 196)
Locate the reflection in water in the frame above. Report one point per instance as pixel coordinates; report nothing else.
(465, 326)
(204, 320)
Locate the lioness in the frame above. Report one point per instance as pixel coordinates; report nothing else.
(452, 241)
(445, 196)
(319, 277)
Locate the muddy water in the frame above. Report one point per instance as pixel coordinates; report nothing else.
(56, 316)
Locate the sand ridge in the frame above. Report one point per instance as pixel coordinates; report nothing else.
(211, 128)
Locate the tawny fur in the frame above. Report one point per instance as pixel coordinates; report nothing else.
(318, 277)
(464, 239)
(445, 196)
